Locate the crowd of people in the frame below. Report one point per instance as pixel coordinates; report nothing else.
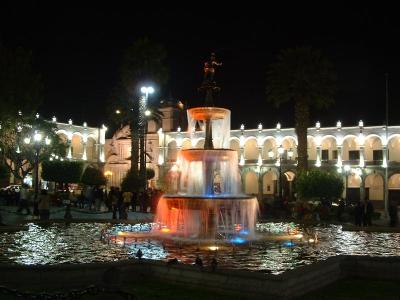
(94, 198)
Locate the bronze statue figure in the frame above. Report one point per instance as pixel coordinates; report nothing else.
(209, 86)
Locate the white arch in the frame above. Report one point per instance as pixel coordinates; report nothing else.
(251, 183)
(374, 135)
(327, 137)
(250, 149)
(289, 137)
(198, 141)
(392, 136)
(249, 138)
(374, 183)
(269, 137)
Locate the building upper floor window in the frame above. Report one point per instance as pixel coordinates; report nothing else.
(325, 154)
(377, 155)
(354, 155)
(334, 154)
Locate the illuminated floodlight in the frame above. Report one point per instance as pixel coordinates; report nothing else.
(27, 140)
(147, 113)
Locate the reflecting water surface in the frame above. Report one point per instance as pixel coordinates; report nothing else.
(280, 246)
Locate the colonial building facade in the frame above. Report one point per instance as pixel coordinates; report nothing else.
(367, 157)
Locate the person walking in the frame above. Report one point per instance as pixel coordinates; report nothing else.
(24, 198)
(44, 206)
(369, 210)
(358, 214)
(394, 219)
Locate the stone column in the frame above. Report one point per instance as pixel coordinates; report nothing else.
(318, 160)
(84, 156)
(339, 156)
(362, 161)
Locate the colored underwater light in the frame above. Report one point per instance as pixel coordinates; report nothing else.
(289, 244)
(238, 240)
(166, 230)
(244, 231)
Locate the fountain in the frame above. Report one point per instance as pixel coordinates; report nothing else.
(209, 204)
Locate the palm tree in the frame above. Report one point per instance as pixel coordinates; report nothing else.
(143, 63)
(307, 79)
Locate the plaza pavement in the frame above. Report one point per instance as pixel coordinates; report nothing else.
(11, 217)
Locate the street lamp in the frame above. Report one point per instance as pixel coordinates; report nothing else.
(108, 174)
(143, 114)
(37, 141)
(280, 152)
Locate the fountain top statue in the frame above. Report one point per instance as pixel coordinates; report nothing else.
(209, 86)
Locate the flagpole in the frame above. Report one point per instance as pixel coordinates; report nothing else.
(387, 145)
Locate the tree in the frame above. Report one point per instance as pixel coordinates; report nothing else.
(4, 172)
(20, 86)
(71, 171)
(143, 63)
(319, 184)
(307, 79)
(19, 156)
(132, 182)
(93, 176)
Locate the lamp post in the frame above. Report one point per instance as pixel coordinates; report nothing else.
(147, 114)
(280, 152)
(143, 114)
(38, 142)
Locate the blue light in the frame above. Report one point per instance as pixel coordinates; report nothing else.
(289, 244)
(238, 240)
(244, 231)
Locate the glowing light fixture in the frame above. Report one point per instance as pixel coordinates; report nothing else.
(213, 248)
(270, 153)
(260, 127)
(281, 150)
(242, 127)
(54, 119)
(147, 113)
(290, 153)
(318, 125)
(278, 126)
(37, 137)
(338, 125)
(27, 140)
(147, 89)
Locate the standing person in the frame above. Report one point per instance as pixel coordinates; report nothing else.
(44, 205)
(127, 198)
(340, 210)
(393, 213)
(369, 210)
(358, 214)
(114, 202)
(24, 198)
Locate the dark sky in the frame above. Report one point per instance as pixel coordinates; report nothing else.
(78, 50)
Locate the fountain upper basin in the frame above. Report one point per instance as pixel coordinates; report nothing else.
(209, 155)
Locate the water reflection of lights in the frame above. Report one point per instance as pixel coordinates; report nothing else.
(238, 240)
(213, 248)
(80, 243)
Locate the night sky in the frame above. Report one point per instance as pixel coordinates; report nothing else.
(78, 51)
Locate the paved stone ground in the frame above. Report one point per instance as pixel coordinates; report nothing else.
(11, 217)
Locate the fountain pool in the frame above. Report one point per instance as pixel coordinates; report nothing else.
(280, 247)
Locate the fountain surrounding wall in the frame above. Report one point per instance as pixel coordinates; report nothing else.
(209, 203)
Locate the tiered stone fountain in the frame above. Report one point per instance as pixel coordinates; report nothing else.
(209, 203)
